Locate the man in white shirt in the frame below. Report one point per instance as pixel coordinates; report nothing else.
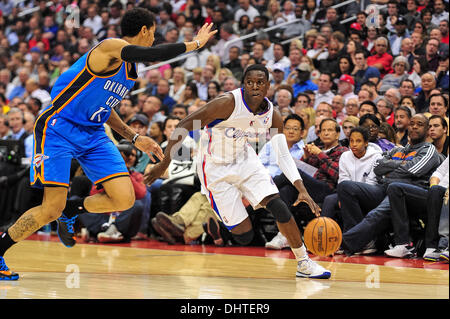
(246, 9)
(320, 51)
(323, 93)
(93, 20)
(226, 35)
(439, 12)
(279, 58)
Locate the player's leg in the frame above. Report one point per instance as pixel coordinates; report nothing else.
(288, 227)
(51, 208)
(102, 164)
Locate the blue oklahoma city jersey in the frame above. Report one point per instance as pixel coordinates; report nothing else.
(86, 99)
(72, 126)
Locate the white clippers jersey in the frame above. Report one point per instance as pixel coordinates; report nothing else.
(226, 141)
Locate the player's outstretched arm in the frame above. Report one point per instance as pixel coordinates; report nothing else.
(287, 164)
(111, 52)
(219, 108)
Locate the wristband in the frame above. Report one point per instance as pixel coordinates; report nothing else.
(434, 184)
(133, 141)
(198, 44)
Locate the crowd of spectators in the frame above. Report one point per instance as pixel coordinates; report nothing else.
(364, 98)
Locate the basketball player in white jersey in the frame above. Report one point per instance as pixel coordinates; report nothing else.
(230, 169)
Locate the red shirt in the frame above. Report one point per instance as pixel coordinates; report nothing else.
(444, 39)
(385, 59)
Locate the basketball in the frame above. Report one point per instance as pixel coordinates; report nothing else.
(322, 236)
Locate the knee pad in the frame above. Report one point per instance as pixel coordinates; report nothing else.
(279, 210)
(245, 238)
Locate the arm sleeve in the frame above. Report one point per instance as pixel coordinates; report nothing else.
(162, 52)
(284, 158)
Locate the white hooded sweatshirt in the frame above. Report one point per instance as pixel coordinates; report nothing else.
(356, 169)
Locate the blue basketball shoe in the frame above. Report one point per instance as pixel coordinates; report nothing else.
(5, 272)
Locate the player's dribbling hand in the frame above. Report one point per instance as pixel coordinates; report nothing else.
(305, 198)
(155, 172)
(205, 33)
(149, 146)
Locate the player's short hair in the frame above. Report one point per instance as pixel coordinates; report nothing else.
(256, 67)
(134, 19)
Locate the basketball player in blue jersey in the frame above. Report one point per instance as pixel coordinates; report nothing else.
(229, 168)
(83, 99)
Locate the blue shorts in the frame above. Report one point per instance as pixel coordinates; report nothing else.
(57, 141)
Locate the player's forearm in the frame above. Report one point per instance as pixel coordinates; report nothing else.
(162, 52)
(116, 123)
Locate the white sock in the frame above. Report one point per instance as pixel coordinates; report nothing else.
(300, 253)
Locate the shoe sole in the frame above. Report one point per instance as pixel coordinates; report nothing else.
(276, 248)
(406, 257)
(57, 231)
(170, 226)
(109, 239)
(434, 259)
(444, 257)
(12, 278)
(167, 237)
(325, 275)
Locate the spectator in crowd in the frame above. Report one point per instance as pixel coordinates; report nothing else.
(367, 107)
(401, 33)
(439, 12)
(372, 124)
(352, 107)
(402, 116)
(438, 105)
(393, 95)
(221, 49)
(326, 161)
(153, 109)
(346, 87)
(401, 68)
(178, 83)
(355, 165)
(190, 95)
(382, 60)
(186, 225)
(349, 123)
(302, 78)
(431, 54)
(337, 104)
(19, 89)
(386, 108)
(323, 92)
(365, 209)
(428, 83)
(438, 134)
(362, 72)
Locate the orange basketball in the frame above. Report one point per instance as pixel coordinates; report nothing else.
(322, 236)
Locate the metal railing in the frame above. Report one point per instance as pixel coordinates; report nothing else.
(32, 10)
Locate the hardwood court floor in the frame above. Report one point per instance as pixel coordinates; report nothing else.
(154, 270)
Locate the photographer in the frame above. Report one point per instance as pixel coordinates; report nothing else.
(118, 226)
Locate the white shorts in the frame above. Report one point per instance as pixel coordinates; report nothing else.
(226, 184)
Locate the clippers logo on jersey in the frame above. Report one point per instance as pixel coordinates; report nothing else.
(238, 133)
(399, 156)
(38, 159)
(266, 120)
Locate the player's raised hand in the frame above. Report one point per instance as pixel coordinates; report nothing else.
(149, 146)
(205, 33)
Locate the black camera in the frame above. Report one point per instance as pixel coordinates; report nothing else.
(10, 152)
(125, 147)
